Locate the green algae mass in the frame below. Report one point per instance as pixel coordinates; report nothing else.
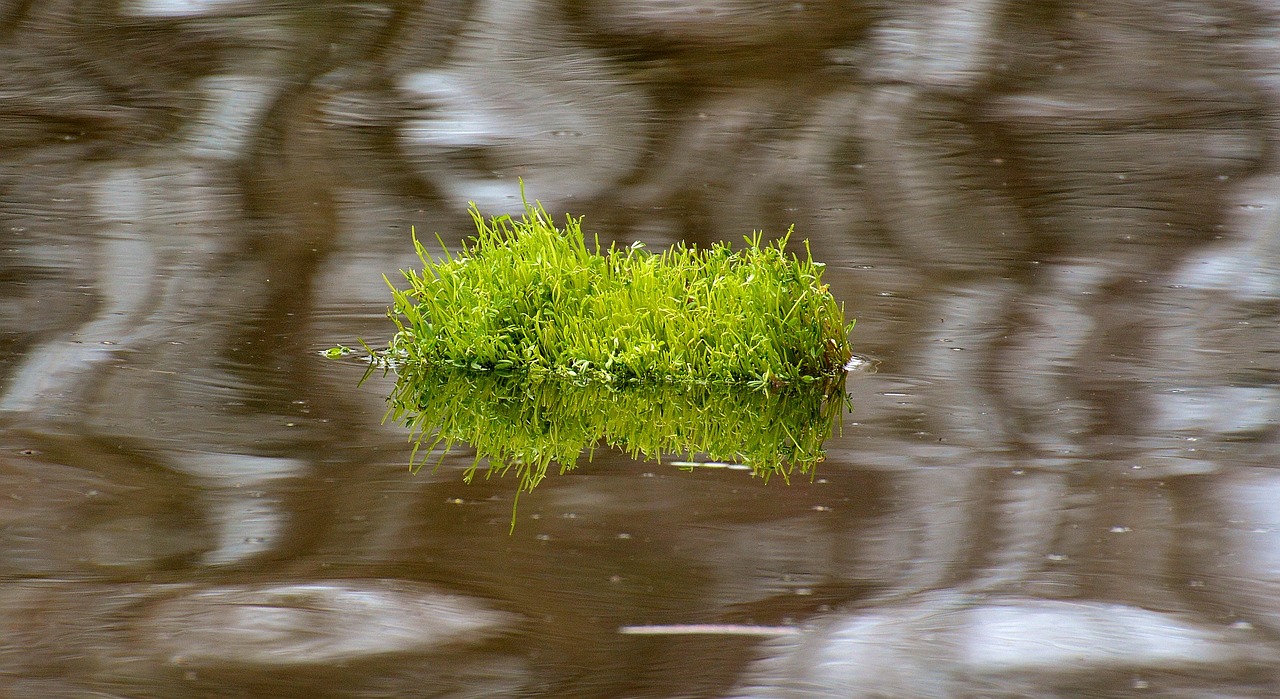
(526, 297)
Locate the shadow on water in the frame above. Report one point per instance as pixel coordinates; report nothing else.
(1054, 222)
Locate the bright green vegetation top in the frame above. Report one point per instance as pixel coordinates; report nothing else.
(526, 297)
(536, 349)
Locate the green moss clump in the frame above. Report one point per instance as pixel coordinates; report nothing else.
(535, 349)
(526, 297)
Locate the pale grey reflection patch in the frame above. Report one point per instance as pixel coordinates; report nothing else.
(176, 9)
(1242, 550)
(313, 623)
(247, 520)
(49, 378)
(1227, 410)
(1247, 264)
(896, 651)
(716, 25)
(518, 99)
(948, 644)
(234, 111)
(1052, 636)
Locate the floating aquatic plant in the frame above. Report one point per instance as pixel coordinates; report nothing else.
(527, 297)
(535, 347)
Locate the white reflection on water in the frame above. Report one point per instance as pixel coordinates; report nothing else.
(1061, 237)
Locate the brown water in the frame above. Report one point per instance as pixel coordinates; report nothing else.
(1056, 225)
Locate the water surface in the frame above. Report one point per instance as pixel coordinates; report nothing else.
(1055, 224)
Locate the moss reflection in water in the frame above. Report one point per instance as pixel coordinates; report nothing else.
(526, 425)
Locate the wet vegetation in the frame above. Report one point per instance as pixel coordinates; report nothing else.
(526, 425)
(534, 348)
(527, 297)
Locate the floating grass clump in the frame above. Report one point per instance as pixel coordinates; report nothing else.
(526, 297)
(535, 348)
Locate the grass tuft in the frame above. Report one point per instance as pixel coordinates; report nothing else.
(535, 347)
(526, 297)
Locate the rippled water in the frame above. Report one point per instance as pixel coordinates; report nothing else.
(1055, 224)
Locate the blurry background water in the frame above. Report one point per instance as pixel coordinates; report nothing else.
(1056, 223)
